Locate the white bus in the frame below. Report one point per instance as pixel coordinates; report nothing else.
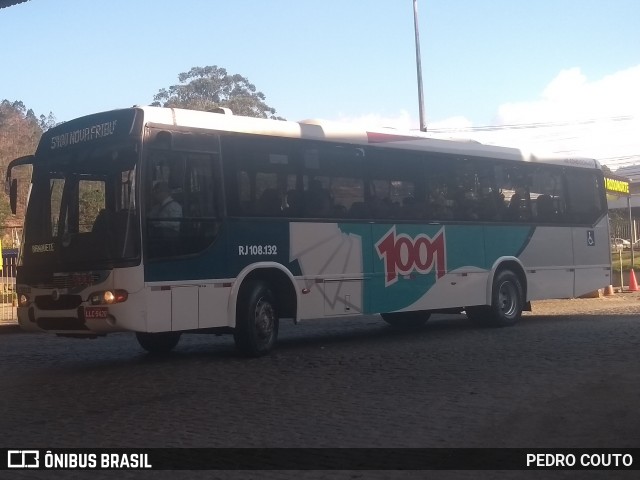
(274, 220)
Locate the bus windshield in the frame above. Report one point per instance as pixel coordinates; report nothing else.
(82, 210)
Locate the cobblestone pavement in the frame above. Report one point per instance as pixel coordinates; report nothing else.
(619, 302)
(567, 376)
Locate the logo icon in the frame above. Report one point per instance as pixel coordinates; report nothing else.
(402, 254)
(591, 238)
(23, 459)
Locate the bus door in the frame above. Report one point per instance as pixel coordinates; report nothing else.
(591, 258)
(185, 251)
(587, 208)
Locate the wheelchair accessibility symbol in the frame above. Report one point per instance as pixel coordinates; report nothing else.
(591, 239)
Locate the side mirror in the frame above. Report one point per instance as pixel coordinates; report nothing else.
(11, 184)
(13, 195)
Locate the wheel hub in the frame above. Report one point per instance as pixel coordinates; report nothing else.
(507, 299)
(264, 319)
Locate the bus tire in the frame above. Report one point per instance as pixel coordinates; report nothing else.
(257, 320)
(406, 320)
(507, 302)
(158, 343)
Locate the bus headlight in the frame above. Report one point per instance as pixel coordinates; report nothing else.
(108, 297)
(23, 300)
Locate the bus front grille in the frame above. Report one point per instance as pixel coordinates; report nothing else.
(64, 302)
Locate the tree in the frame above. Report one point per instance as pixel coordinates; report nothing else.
(208, 88)
(20, 131)
(10, 3)
(19, 135)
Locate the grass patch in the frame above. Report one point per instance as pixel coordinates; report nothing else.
(626, 261)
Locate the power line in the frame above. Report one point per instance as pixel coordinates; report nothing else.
(535, 125)
(564, 137)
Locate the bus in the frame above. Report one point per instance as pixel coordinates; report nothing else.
(292, 220)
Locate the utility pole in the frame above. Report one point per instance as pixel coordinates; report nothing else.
(423, 123)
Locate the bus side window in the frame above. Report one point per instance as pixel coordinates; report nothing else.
(544, 208)
(200, 212)
(294, 203)
(270, 203)
(547, 195)
(585, 205)
(514, 184)
(317, 202)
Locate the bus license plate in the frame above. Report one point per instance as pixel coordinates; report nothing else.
(92, 313)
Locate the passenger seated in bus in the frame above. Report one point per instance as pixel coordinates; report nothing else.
(440, 207)
(491, 205)
(270, 203)
(295, 203)
(380, 208)
(102, 225)
(318, 202)
(165, 207)
(544, 208)
(466, 205)
(339, 211)
(517, 207)
(411, 209)
(358, 210)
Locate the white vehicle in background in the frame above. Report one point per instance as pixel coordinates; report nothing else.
(619, 244)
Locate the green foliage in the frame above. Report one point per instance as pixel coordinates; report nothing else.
(625, 266)
(20, 132)
(47, 122)
(207, 88)
(5, 209)
(91, 202)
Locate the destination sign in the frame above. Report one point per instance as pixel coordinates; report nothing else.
(616, 186)
(112, 126)
(83, 135)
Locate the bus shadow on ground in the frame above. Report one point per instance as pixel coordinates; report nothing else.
(312, 335)
(370, 329)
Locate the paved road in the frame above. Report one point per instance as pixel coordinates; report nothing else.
(567, 376)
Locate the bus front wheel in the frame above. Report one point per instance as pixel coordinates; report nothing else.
(257, 320)
(507, 302)
(406, 320)
(158, 343)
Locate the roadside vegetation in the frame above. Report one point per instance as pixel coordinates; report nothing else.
(623, 259)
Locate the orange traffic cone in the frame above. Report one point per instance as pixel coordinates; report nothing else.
(633, 285)
(608, 291)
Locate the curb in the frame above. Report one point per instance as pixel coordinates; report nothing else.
(9, 328)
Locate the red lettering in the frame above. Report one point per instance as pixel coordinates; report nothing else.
(95, 312)
(402, 255)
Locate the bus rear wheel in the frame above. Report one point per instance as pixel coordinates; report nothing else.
(257, 320)
(158, 343)
(406, 320)
(507, 302)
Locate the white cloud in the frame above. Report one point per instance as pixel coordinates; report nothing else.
(451, 124)
(404, 121)
(573, 116)
(571, 97)
(401, 120)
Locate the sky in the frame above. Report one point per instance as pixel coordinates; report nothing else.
(558, 76)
